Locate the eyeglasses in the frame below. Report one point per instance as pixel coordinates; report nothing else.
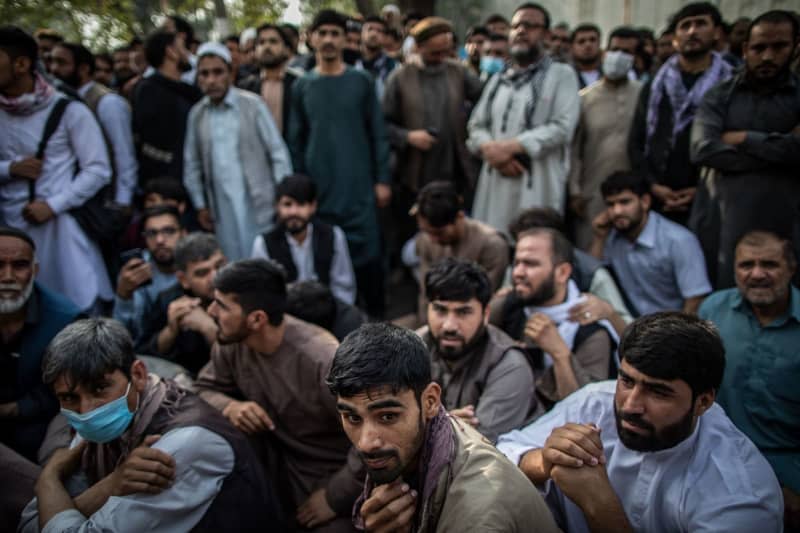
(169, 231)
(527, 26)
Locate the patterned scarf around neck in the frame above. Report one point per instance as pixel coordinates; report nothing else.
(683, 103)
(28, 103)
(435, 456)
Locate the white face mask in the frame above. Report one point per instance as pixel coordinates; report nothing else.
(617, 64)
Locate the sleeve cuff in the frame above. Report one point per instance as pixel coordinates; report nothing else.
(63, 521)
(124, 196)
(5, 170)
(512, 450)
(59, 203)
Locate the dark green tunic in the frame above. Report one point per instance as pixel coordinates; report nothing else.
(337, 137)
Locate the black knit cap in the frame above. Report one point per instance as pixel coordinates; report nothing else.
(6, 231)
(331, 17)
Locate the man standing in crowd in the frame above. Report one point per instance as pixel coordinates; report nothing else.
(651, 451)
(665, 46)
(307, 250)
(658, 262)
(599, 147)
(161, 103)
(659, 139)
(586, 53)
(759, 321)
(427, 471)
(498, 24)
(103, 69)
(485, 379)
(748, 130)
(177, 325)
(739, 33)
(523, 125)
(566, 354)
(373, 59)
(30, 316)
(337, 137)
(148, 454)
(47, 39)
(274, 80)
(233, 157)
(74, 64)
(473, 45)
(122, 67)
(266, 375)
(143, 278)
(37, 190)
(558, 43)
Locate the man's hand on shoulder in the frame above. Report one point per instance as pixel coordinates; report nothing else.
(390, 508)
(148, 470)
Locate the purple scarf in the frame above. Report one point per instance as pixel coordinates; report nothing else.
(683, 103)
(28, 103)
(436, 455)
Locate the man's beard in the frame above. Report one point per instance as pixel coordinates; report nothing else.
(544, 293)
(383, 476)
(697, 52)
(73, 80)
(272, 61)
(453, 353)
(663, 439)
(633, 224)
(163, 260)
(8, 306)
(523, 54)
(237, 336)
(585, 62)
(295, 225)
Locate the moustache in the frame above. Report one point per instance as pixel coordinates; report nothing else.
(636, 420)
(380, 454)
(10, 287)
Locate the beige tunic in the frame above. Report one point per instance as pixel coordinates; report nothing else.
(600, 147)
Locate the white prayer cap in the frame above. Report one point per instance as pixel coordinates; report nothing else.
(390, 8)
(214, 49)
(247, 35)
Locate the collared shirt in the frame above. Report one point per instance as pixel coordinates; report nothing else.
(714, 480)
(760, 390)
(342, 278)
(659, 270)
(202, 461)
(114, 115)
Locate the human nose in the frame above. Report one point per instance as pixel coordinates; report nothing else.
(449, 323)
(634, 401)
(369, 439)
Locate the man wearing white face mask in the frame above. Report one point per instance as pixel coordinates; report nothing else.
(600, 145)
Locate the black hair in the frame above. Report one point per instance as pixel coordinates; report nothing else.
(494, 19)
(538, 7)
(16, 42)
(160, 210)
(104, 56)
(561, 251)
(375, 19)
(757, 237)
(291, 31)
(80, 55)
(197, 246)
(673, 345)
(313, 302)
(583, 28)
(257, 284)
(697, 9)
(622, 181)
(394, 33)
(380, 355)
(329, 17)
(412, 15)
(458, 280)
(353, 26)
(777, 16)
(298, 187)
(536, 217)
(625, 32)
(182, 26)
(494, 37)
(232, 38)
(476, 30)
(439, 203)
(276, 28)
(155, 47)
(8, 231)
(166, 187)
(135, 41)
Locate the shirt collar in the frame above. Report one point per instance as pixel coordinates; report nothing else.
(648, 235)
(230, 99)
(85, 88)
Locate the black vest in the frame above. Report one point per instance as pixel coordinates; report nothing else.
(321, 246)
(245, 503)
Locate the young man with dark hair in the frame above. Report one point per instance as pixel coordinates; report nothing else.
(497, 23)
(373, 59)
(599, 146)
(233, 156)
(495, 55)
(485, 380)
(658, 262)
(337, 137)
(658, 145)
(74, 64)
(473, 44)
(427, 470)
(586, 53)
(567, 351)
(142, 279)
(747, 130)
(176, 324)
(184, 31)
(558, 43)
(39, 190)
(46, 39)
(523, 125)
(122, 66)
(314, 302)
(103, 69)
(266, 375)
(148, 454)
(651, 451)
(161, 104)
(759, 322)
(307, 250)
(665, 46)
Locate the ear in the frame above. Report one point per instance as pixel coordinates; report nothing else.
(431, 400)
(257, 320)
(139, 375)
(647, 201)
(486, 312)
(704, 402)
(313, 207)
(182, 278)
(22, 65)
(563, 272)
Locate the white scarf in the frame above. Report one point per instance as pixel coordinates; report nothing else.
(566, 327)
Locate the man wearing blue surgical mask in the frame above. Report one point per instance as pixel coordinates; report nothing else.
(600, 144)
(147, 454)
(495, 55)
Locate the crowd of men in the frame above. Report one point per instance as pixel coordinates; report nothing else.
(197, 241)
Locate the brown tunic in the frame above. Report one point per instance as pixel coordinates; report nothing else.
(308, 447)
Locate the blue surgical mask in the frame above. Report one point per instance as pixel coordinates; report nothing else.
(103, 424)
(492, 65)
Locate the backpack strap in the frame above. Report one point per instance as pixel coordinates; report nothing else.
(50, 127)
